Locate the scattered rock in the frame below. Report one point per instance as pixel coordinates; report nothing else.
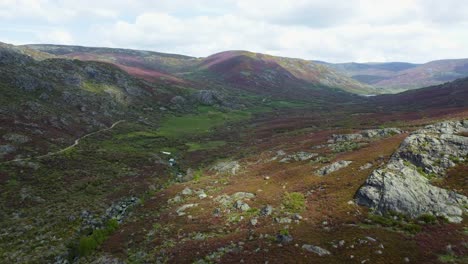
(181, 210)
(16, 138)
(366, 166)
(341, 243)
(240, 205)
(119, 209)
(224, 200)
(266, 210)
(284, 239)
(242, 196)
(188, 175)
(201, 194)
(226, 167)
(6, 149)
(217, 212)
(297, 217)
(254, 221)
(299, 156)
(333, 167)
(344, 137)
(317, 250)
(378, 133)
(175, 200)
(283, 220)
(187, 191)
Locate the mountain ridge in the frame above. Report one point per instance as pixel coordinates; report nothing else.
(370, 77)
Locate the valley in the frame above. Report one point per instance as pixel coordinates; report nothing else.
(120, 156)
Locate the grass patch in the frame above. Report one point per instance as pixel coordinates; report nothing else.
(448, 258)
(396, 221)
(404, 223)
(428, 218)
(197, 175)
(202, 123)
(294, 202)
(195, 146)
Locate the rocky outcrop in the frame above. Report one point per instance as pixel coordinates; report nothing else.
(366, 134)
(226, 167)
(209, 97)
(333, 167)
(404, 186)
(298, 156)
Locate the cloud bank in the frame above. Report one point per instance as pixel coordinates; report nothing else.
(332, 30)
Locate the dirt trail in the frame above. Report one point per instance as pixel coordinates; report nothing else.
(75, 143)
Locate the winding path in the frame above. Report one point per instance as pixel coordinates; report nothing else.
(77, 141)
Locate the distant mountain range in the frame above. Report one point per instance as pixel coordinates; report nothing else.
(401, 76)
(257, 72)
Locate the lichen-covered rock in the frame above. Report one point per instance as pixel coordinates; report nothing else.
(178, 100)
(316, 249)
(6, 149)
(237, 198)
(333, 167)
(366, 134)
(181, 210)
(209, 97)
(242, 196)
(16, 138)
(299, 156)
(345, 137)
(242, 206)
(403, 185)
(226, 167)
(266, 210)
(383, 132)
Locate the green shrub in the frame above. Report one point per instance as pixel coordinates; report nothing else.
(252, 212)
(197, 175)
(382, 220)
(411, 228)
(396, 221)
(88, 244)
(294, 202)
(428, 218)
(284, 232)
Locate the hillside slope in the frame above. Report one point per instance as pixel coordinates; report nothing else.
(447, 95)
(255, 69)
(53, 100)
(246, 69)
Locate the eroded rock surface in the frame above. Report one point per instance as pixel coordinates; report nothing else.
(226, 167)
(333, 167)
(404, 186)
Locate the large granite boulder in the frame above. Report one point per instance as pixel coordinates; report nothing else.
(404, 185)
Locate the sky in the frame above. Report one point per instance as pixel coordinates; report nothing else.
(329, 30)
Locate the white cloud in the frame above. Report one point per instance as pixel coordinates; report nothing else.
(56, 36)
(332, 30)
